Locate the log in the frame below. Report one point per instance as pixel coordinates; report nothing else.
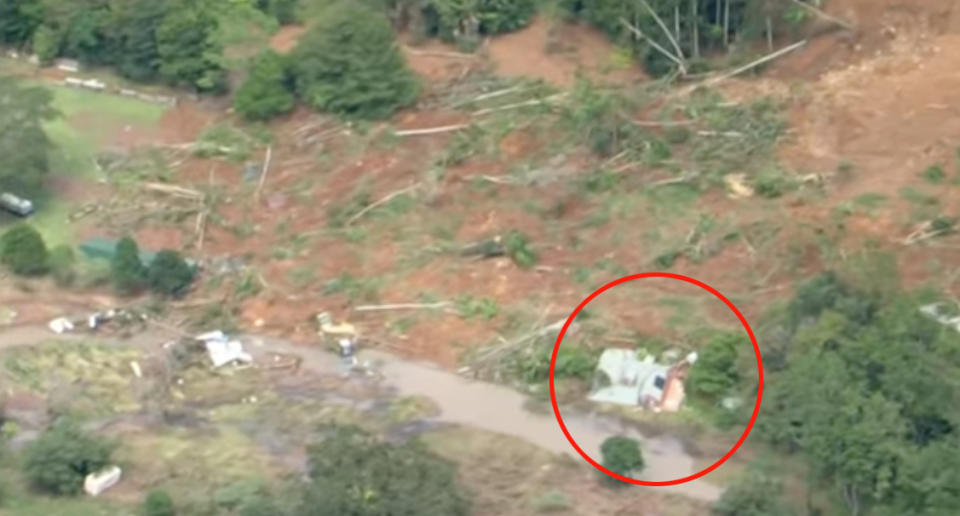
(534, 102)
(435, 53)
(431, 130)
(753, 64)
(176, 191)
(263, 174)
(402, 306)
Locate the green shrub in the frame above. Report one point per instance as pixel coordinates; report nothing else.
(754, 494)
(23, 251)
(59, 460)
(934, 174)
(349, 64)
(715, 371)
(354, 474)
(621, 455)
(169, 274)
(551, 501)
(772, 183)
(469, 307)
(62, 265)
(268, 90)
(518, 249)
(126, 270)
(158, 503)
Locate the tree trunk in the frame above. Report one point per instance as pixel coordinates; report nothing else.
(694, 19)
(717, 13)
(726, 24)
(769, 33)
(676, 21)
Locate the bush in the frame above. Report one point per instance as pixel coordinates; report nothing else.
(268, 91)
(169, 274)
(715, 371)
(59, 460)
(755, 494)
(158, 503)
(518, 249)
(621, 455)
(551, 501)
(349, 64)
(23, 251)
(62, 262)
(773, 183)
(126, 270)
(354, 474)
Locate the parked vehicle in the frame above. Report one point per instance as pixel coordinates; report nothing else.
(16, 205)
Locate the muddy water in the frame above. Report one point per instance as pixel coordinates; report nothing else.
(500, 409)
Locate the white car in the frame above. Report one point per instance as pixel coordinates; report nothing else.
(16, 205)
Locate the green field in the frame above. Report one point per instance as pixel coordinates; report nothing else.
(88, 122)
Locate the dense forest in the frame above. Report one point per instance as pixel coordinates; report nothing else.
(861, 384)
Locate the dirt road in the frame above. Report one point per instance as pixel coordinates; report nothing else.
(461, 401)
(496, 408)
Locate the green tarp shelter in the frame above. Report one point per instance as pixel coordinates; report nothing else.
(105, 248)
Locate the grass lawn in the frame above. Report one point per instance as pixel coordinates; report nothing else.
(104, 115)
(89, 120)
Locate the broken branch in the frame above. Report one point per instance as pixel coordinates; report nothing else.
(381, 202)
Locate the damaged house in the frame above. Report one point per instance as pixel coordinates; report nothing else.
(624, 378)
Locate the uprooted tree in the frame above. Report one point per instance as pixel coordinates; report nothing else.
(349, 64)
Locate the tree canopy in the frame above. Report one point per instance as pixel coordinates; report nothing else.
(169, 274)
(267, 91)
(621, 455)
(354, 474)
(126, 270)
(25, 147)
(349, 64)
(60, 459)
(23, 251)
(864, 391)
(715, 372)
